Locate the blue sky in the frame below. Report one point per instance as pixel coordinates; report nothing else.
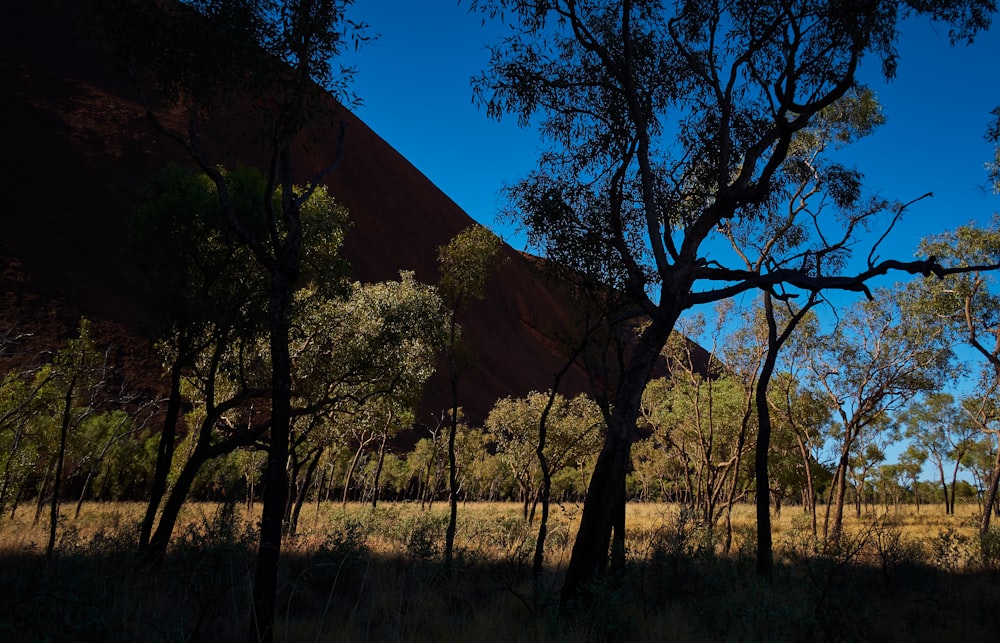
(414, 83)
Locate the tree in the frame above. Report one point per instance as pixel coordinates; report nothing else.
(968, 306)
(943, 430)
(72, 383)
(802, 413)
(573, 426)
(211, 298)
(870, 365)
(276, 57)
(198, 284)
(667, 123)
(703, 414)
(361, 362)
(465, 264)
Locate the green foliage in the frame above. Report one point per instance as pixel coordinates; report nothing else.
(465, 264)
(573, 434)
(951, 550)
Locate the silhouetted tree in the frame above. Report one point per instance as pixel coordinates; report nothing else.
(669, 122)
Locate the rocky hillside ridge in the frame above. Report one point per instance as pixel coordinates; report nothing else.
(78, 149)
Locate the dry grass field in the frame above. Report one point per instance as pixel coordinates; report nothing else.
(356, 574)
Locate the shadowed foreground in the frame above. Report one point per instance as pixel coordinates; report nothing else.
(378, 576)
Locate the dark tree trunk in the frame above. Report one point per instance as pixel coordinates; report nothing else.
(765, 554)
(378, 471)
(156, 549)
(944, 490)
(164, 456)
(989, 503)
(60, 460)
(603, 507)
(303, 491)
(840, 480)
(589, 558)
(765, 557)
(449, 539)
(265, 585)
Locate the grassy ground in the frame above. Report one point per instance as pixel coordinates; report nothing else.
(363, 575)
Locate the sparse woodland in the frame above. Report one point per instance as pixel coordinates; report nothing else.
(753, 462)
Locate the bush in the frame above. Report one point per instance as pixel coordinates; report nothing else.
(951, 550)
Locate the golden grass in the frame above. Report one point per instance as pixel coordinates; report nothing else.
(360, 575)
(22, 533)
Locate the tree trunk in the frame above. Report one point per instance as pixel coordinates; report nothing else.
(303, 491)
(350, 473)
(809, 493)
(265, 585)
(991, 496)
(605, 496)
(156, 549)
(378, 470)
(42, 491)
(449, 539)
(840, 479)
(60, 460)
(164, 456)
(765, 557)
(589, 558)
(944, 490)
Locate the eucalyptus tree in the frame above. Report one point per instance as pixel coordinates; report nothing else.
(465, 263)
(574, 430)
(211, 300)
(875, 361)
(802, 413)
(198, 285)
(703, 413)
(20, 406)
(967, 304)
(668, 121)
(70, 390)
(940, 427)
(361, 362)
(276, 58)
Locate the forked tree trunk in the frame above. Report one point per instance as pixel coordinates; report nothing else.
(604, 506)
(303, 491)
(164, 456)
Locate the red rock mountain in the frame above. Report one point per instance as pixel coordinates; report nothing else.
(77, 148)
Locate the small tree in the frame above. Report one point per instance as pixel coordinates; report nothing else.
(942, 429)
(873, 363)
(465, 264)
(73, 381)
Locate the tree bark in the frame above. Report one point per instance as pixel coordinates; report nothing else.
(265, 586)
(60, 460)
(991, 496)
(303, 491)
(164, 456)
(378, 470)
(605, 495)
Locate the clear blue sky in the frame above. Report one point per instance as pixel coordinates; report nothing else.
(414, 81)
